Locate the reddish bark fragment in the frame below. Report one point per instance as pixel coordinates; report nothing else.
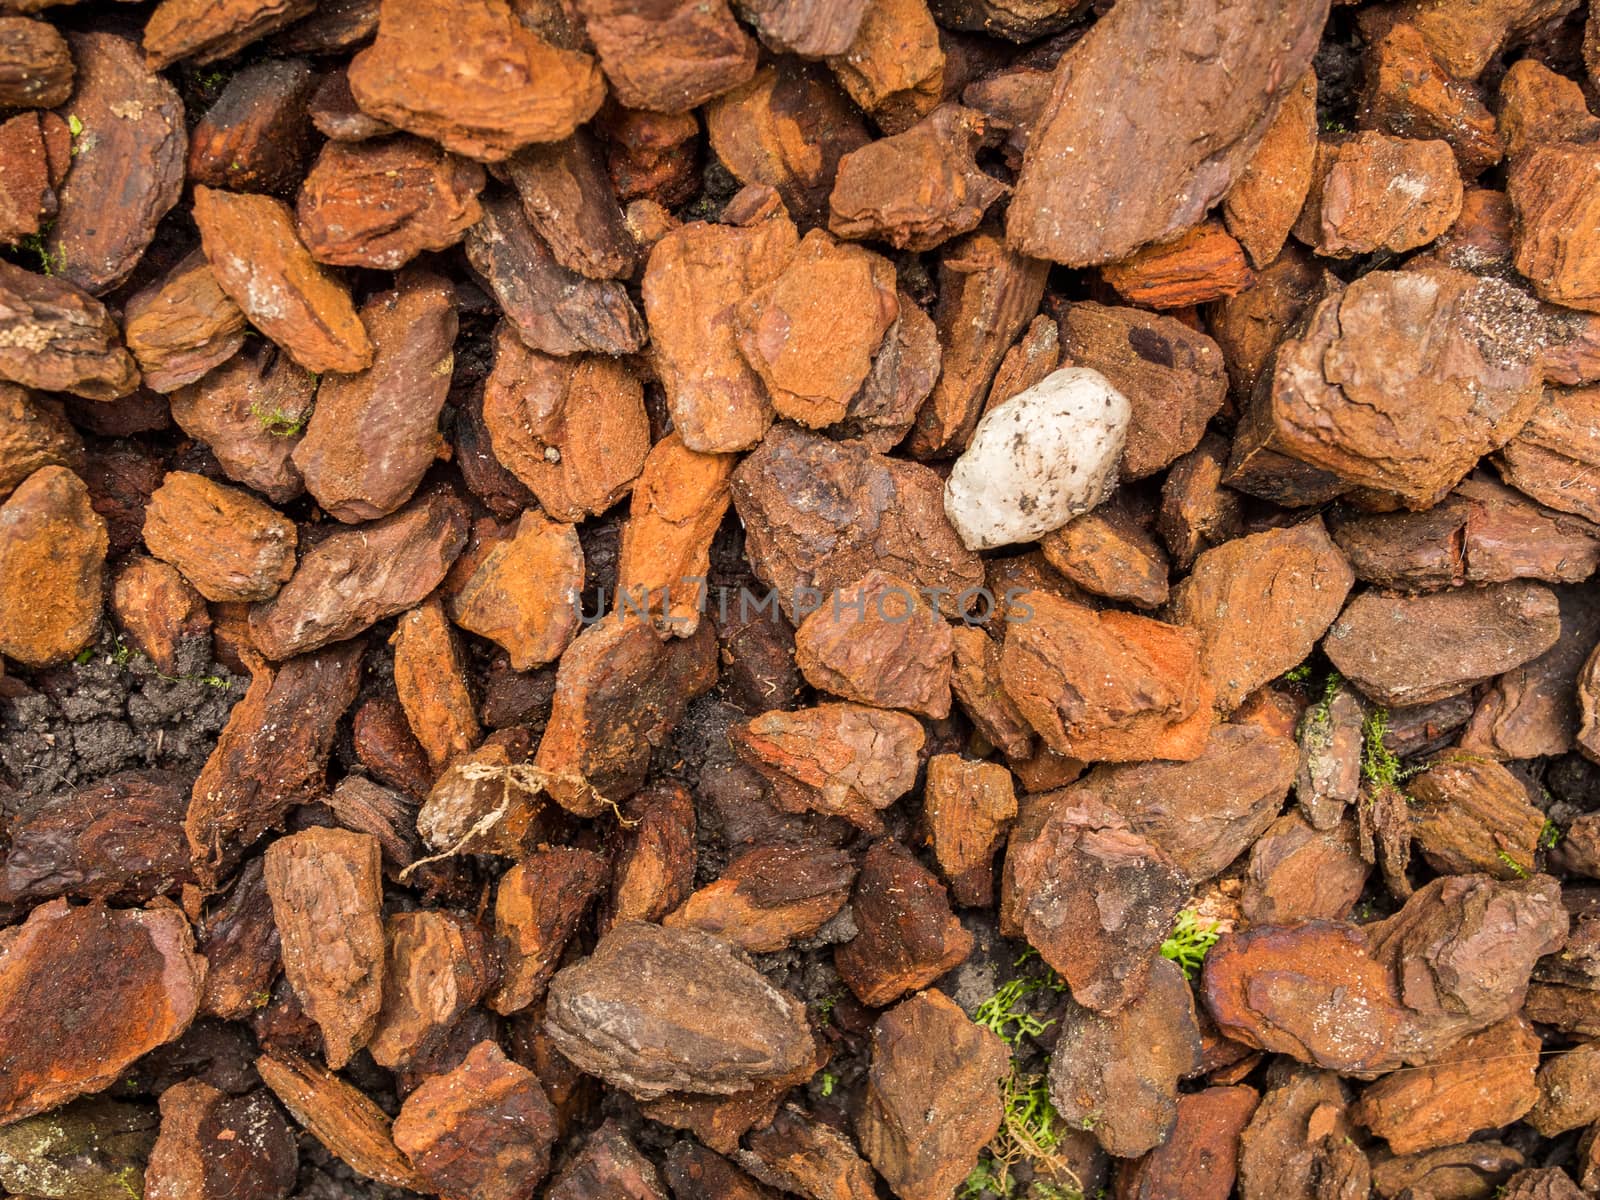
(538, 904)
(373, 435)
(472, 77)
(256, 137)
(259, 261)
(86, 991)
(52, 558)
(481, 1130)
(379, 204)
(668, 55)
(182, 326)
(768, 897)
(337, 1115)
(227, 543)
(213, 1146)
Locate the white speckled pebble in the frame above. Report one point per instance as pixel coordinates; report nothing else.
(1038, 460)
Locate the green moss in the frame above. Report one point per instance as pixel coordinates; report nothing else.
(1380, 767)
(1189, 942)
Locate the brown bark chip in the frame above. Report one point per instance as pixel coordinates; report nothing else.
(877, 642)
(1200, 1159)
(337, 1115)
(554, 310)
(1355, 397)
(249, 412)
(668, 55)
(572, 429)
(1083, 852)
(842, 759)
(1106, 686)
(1300, 1144)
(677, 505)
(608, 1164)
(1117, 1075)
(127, 164)
(1401, 650)
(1298, 872)
(789, 128)
(538, 904)
(907, 936)
(1174, 377)
(1260, 604)
(327, 902)
(120, 838)
(200, 1154)
(1263, 203)
(1484, 1082)
(1471, 814)
(1553, 458)
(228, 544)
(771, 896)
(182, 326)
(987, 295)
(811, 334)
(1411, 95)
(1205, 264)
(656, 867)
(430, 677)
(353, 578)
(1558, 222)
(272, 755)
(472, 77)
(894, 69)
(710, 1023)
(86, 991)
(261, 263)
(379, 204)
(1163, 143)
(567, 195)
(36, 68)
(1374, 192)
(524, 592)
(483, 1130)
(256, 137)
(968, 806)
(932, 1101)
(34, 433)
(919, 189)
(207, 30)
(27, 194)
(621, 690)
(819, 514)
(57, 338)
(52, 559)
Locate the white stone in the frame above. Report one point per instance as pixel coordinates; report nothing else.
(1043, 457)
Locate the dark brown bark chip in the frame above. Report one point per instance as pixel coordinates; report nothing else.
(802, 1155)
(1300, 1144)
(213, 1146)
(272, 754)
(607, 1165)
(708, 1023)
(127, 164)
(257, 136)
(538, 905)
(668, 55)
(567, 195)
(120, 838)
(555, 310)
(906, 934)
